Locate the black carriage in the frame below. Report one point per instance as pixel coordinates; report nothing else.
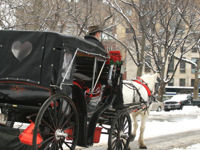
(64, 89)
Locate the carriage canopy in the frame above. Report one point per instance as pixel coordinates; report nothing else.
(40, 57)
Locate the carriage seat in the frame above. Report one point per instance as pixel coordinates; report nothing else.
(83, 68)
(22, 92)
(80, 76)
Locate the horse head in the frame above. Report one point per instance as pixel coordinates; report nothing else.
(150, 80)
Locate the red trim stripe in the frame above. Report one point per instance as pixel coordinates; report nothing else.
(27, 83)
(145, 86)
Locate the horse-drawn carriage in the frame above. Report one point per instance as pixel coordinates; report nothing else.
(48, 82)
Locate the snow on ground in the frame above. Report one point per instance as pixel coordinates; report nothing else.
(193, 147)
(155, 128)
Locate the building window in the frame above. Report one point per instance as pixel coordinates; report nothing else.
(171, 64)
(192, 82)
(147, 64)
(171, 83)
(182, 66)
(182, 82)
(193, 66)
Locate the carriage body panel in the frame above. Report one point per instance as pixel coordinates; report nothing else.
(33, 61)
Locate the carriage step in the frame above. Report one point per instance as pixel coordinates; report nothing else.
(104, 121)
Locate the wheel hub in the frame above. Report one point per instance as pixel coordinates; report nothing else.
(59, 134)
(122, 135)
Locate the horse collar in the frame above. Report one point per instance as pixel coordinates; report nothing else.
(140, 81)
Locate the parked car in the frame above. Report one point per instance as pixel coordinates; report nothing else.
(196, 102)
(177, 102)
(157, 106)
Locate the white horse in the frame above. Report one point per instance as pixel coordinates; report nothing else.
(145, 87)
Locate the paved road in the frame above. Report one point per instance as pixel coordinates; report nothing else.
(171, 141)
(166, 142)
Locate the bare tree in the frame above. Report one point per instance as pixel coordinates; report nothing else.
(162, 30)
(170, 37)
(132, 15)
(65, 16)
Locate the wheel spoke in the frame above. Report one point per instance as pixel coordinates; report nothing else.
(47, 140)
(64, 114)
(125, 120)
(114, 143)
(123, 143)
(67, 145)
(47, 146)
(52, 145)
(126, 127)
(46, 123)
(115, 133)
(121, 146)
(51, 118)
(56, 145)
(55, 113)
(60, 145)
(68, 118)
(60, 109)
(117, 127)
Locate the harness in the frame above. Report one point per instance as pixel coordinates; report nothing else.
(144, 84)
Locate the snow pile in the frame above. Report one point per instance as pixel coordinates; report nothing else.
(159, 128)
(156, 128)
(193, 147)
(187, 110)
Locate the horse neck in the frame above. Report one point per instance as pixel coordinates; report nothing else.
(142, 91)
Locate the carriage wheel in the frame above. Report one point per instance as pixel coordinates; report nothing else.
(120, 133)
(57, 123)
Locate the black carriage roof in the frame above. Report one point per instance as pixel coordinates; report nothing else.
(40, 57)
(58, 41)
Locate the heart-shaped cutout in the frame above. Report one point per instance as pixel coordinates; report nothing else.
(21, 50)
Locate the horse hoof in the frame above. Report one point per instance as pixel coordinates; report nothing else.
(132, 137)
(129, 148)
(143, 147)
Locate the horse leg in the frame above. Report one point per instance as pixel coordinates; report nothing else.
(142, 128)
(135, 126)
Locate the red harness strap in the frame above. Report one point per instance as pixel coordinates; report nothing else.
(140, 81)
